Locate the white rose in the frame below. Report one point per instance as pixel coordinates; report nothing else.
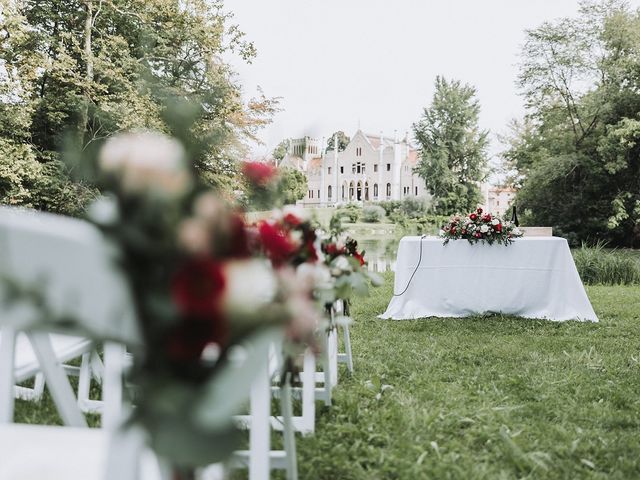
(249, 286)
(316, 274)
(517, 231)
(296, 237)
(495, 221)
(341, 263)
(194, 236)
(484, 228)
(146, 161)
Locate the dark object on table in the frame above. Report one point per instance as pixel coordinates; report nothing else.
(514, 217)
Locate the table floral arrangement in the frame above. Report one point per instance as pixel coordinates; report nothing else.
(480, 227)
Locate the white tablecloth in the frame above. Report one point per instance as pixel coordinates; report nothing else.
(533, 278)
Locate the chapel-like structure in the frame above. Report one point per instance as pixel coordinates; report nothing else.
(370, 168)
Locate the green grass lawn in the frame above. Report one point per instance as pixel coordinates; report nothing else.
(485, 398)
(477, 398)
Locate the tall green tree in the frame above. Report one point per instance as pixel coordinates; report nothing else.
(281, 149)
(80, 70)
(453, 147)
(577, 158)
(343, 141)
(292, 185)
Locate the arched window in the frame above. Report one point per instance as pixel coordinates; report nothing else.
(375, 190)
(329, 192)
(388, 190)
(342, 191)
(366, 191)
(351, 191)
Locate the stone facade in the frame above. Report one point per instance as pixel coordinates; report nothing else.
(371, 168)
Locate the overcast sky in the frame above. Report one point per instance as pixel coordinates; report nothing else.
(339, 64)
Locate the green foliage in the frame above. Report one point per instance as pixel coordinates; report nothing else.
(350, 212)
(292, 186)
(452, 147)
(372, 214)
(77, 72)
(343, 141)
(281, 149)
(600, 266)
(576, 153)
(390, 206)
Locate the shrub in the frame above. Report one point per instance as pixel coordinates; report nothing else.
(372, 214)
(414, 207)
(600, 266)
(350, 213)
(390, 206)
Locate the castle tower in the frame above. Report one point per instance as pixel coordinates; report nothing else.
(396, 168)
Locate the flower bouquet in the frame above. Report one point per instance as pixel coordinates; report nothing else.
(480, 227)
(207, 304)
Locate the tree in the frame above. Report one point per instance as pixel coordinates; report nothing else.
(577, 153)
(78, 71)
(292, 185)
(452, 147)
(281, 150)
(343, 141)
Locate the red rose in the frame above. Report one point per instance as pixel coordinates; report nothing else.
(259, 173)
(276, 243)
(238, 238)
(477, 235)
(311, 248)
(185, 342)
(292, 220)
(473, 217)
(498, 227)
(197, 286)
(479, 210)
(453, 230)
(196, 289)
(360, 258)
(487, 217)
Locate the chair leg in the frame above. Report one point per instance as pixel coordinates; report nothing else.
(347, 347)
(288, 431)
(7, 360)
(57, 380)
(84, 381)
(260, 433)
(112, 385)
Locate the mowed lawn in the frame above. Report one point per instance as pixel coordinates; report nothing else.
(485, 398)
(476, 398)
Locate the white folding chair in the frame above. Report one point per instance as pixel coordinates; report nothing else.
(71, 268)
(260, 458)
(65, 348)
(346, 357)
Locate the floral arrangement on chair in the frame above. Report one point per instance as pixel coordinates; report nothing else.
(348, 268)
(480, 227)
(200, 290)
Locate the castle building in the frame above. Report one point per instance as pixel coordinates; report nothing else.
(370, 168)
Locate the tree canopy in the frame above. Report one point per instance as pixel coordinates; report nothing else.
(77, 71)
(343, 141)
(576, 154)
(452, 147)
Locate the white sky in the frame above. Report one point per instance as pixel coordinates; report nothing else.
(341, 63)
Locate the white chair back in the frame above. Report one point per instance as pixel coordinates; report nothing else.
(71, 269)
(69, 263)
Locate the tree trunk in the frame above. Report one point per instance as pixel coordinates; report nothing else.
(88, 58)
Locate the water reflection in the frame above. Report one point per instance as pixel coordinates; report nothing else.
(380, 252)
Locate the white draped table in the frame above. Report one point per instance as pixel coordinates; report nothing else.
(532, 278)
